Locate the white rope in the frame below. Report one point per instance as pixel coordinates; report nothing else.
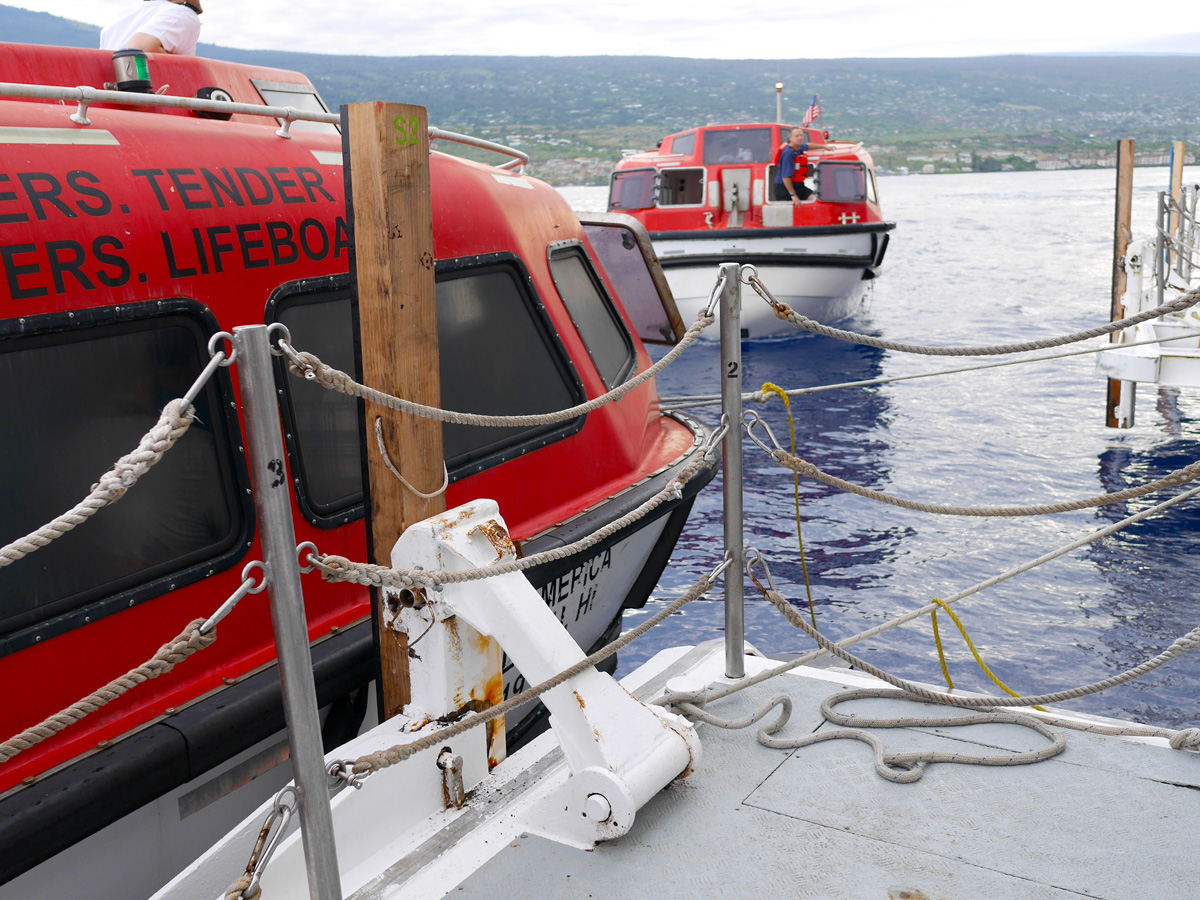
(1184, 739)
(340, 569)
(373, 762)
(167, 657)
(310, 367)
(387, 461)
(680, 403)
(901, 767)
(175, 420)
(803, 467)
(787, 314)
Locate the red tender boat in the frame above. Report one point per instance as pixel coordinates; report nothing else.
(132, 230)
(705, 197)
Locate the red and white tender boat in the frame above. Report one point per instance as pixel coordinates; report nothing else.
(705, 197)
(135, 227)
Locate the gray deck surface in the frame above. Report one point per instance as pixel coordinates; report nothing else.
(1107, 818)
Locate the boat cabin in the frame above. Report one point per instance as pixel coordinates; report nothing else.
(134, 227)
(720, 176)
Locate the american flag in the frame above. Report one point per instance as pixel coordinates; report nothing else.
(812, 112)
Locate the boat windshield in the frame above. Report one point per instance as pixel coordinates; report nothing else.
(746, 145)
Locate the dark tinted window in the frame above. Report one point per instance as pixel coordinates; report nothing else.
(633, 189)
(685, 144)
(326, 422)
(629, 273)
(749, 145)
(842, 182)
(497, 357)
(595, 319)
(496, 360)
(82, 401)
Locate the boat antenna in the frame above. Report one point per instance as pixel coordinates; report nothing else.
(779, 103)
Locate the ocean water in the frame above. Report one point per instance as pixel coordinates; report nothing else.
(975, 259)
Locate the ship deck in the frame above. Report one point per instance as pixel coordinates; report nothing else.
(1108, 818)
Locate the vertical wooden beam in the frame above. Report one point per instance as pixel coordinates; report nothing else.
(1121, 235)
(386, 155)
(1177, 152)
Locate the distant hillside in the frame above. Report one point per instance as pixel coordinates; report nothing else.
(23, 26)
(955, 113)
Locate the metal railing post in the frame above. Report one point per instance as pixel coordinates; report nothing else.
(731, 469)
(272, 503)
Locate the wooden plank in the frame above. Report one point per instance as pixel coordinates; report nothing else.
(1177, 152)
(1121, 235)
(386, 156)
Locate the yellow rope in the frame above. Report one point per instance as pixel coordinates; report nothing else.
(971, 644)
(767, 389)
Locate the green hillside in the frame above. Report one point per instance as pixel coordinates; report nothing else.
(982, 112)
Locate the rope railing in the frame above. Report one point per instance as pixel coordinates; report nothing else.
(310, 367)
(921, 612)
(199, 634)
(699, 400)
(905, 767)
(374, 762)
(802, 467)
(787, 314)
(340, 569)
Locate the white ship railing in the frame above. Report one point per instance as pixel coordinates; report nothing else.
(85, 96)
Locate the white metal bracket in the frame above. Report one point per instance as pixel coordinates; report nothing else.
(620, 751)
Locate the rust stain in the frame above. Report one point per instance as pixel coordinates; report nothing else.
(496, 536)
(906, 894)
(463, 515)
(469, 707)
(579, 699)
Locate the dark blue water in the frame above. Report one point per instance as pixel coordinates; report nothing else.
(975, 259)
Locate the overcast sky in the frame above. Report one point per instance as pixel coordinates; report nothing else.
(734, 29)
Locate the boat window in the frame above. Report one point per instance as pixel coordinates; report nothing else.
(630, 272)
(747, 145)
(841, 182)
(872, 191)
(597, 321)
(83, 399)
(298, 96)
(632, 189)
(684, 144)
(498, 356)
(681, 187)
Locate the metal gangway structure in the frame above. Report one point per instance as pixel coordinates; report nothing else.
(1149, 271)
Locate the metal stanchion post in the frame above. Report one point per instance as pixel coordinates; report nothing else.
(272, 503)
(731, 469)
(1161, 251)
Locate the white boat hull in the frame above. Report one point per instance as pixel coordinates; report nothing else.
(823, 277)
